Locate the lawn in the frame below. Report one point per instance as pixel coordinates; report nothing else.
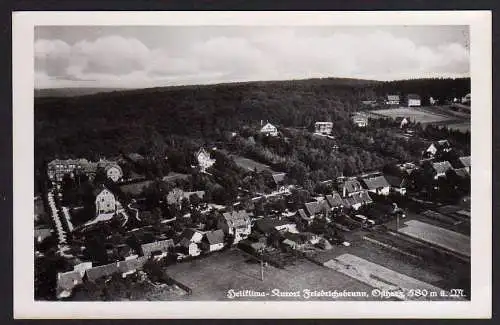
(212, 277)
(250, 164)
(414, 114)
(438, 236)
(381, 277)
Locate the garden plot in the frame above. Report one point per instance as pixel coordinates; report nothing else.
(444, 238)
(381, 278)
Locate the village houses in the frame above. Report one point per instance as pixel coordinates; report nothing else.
(57, 169)
(235, 223)
(360, 120)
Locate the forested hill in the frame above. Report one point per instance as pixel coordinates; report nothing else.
(121, 120)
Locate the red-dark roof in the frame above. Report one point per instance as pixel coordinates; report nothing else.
(215, 237)
(334, 200)
(374, 183)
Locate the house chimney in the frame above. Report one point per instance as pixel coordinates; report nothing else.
(261, 123)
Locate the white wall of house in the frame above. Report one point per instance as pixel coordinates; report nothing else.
(105, 202)
(114, 173)
(413, 102)
(216, 247)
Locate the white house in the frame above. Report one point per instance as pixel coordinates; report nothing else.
(377, 185)
(413, 100)
(392, 100)
(204, 159)
(235, 223)
(213, 240)
(323, 127)
(105, 201)
(269, 130)
(360, 120)
(113, 172)
(437, 148)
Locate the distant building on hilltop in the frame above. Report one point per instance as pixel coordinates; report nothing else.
(413, 100)
(323, 127)
(269, 130)
(392, 100)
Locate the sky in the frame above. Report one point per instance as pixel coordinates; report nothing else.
(142, 57)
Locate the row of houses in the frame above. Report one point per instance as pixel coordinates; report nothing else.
(58, 168)
(410, 100)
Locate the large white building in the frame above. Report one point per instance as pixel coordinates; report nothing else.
(204, 159)
(105, 201)
(269, 130)
(323, 127)
(413, 100)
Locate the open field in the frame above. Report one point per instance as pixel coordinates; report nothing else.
(211, 278)
(440, 237)
(382, 278)
(414, 114)
(250, 164)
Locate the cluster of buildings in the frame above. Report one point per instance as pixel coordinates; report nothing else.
(410, 100)
(58, 168)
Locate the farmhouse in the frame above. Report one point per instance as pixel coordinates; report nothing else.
(350, 187)
(162, 246)
(192, 235)
(397, 184)
(464, 162)
(439, 169)
(402, 121)
(377, 185)
(437, 149)
(105, 201)
(66, 281)
(413, 100)
(268, 225)
(235, 223)
(131, 264)
(355, 201)
(42, 233)
(269, 130)
(101, 271)
(213, 241)
(360, 120)
(392, 100)
(334, 200)
(204, 159)
(323, 127)
(113, 170)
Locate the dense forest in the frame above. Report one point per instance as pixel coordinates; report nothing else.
(174, 122)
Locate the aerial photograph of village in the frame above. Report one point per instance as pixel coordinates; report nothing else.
(241, 163)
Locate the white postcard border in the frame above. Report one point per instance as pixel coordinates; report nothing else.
(481, 189)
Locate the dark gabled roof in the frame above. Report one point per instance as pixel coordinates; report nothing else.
(99, 188)
(441, 167)
(215, 237)
(101, 271)
(392, 97)
(462, 172)
(312, 208)
(303, 214)
(189, 233)
(396, 181)
(359, 198)
(132, 264)
(334, 199)
(237, 218)
(135, 157)
(374, 183)
(297, 238)
(278, 177)
(199, 194)
(400, 119)
(351, 185)
(68, 280)
(266, 225)
(162, 245)
(413, 96)
(465, 161)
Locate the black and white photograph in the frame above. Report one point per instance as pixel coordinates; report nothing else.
(226, 162)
